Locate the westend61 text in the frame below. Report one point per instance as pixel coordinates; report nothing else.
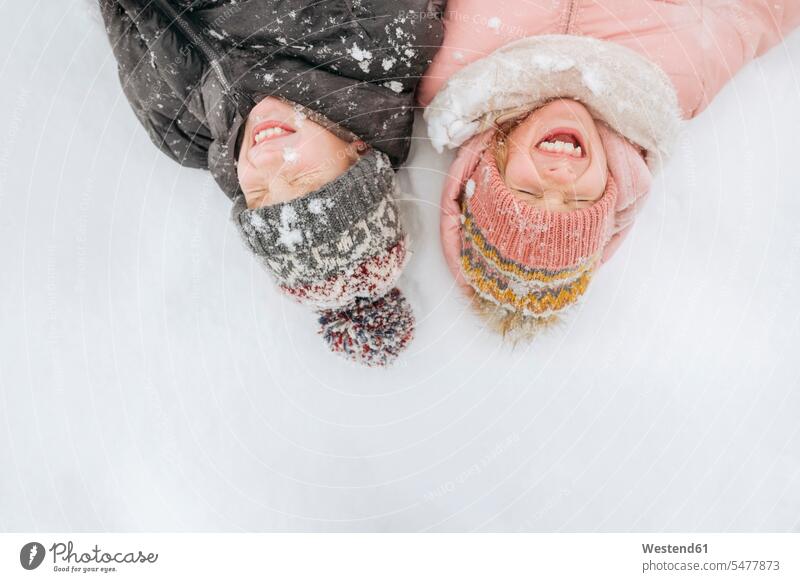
(670, 549)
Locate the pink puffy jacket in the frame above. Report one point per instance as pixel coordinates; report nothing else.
(700, 44)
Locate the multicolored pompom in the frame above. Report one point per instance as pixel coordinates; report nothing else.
(371, 332)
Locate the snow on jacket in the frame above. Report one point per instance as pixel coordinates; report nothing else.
(639, 65)
(193, 69)
(700, 44)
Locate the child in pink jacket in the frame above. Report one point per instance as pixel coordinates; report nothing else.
(562, 111)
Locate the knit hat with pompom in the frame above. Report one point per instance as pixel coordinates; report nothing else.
(340, 250)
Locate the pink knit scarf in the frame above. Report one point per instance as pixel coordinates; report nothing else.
(533, 237)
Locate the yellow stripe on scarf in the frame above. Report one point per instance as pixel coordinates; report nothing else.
(530, 302)
(491, 254)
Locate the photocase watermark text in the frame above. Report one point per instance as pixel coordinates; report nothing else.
(65, 553)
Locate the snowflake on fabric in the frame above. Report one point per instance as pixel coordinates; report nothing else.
(319, 205)
(257, 222)
(469, 188)
(287, 235)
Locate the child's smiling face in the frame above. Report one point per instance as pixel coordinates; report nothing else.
(555, 158)
(284, 155)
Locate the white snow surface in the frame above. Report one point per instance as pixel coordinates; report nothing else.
(152, 379)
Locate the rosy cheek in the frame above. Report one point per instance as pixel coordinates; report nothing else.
(522, 173)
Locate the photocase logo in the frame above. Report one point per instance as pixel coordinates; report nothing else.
(31, 555)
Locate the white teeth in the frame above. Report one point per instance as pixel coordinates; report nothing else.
(561, 147)
(271, 132)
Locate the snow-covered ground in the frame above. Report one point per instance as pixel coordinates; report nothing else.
(151, 379)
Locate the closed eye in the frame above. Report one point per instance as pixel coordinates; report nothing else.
(567, 200)
(534, 194)
(255, 198)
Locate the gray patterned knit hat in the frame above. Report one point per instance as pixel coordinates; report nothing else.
(340, 250)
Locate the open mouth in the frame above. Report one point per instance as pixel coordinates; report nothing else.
(269, 130)
(563, 141)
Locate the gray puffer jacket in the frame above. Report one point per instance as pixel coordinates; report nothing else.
(193, 69)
